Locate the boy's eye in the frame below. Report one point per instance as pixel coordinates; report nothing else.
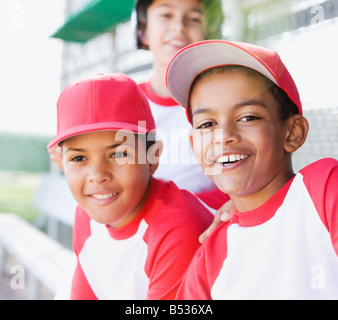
(119, 154)
(78, 159)
(195, 19)
(249, 118)
(206, 125)
(166, 15)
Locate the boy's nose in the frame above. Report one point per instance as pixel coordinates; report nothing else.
(178, 24)
(99, 174)
(227, 134)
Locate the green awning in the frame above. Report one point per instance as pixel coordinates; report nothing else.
(98, 17)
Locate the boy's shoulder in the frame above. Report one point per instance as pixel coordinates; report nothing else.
(321, 182)
(168, 195)
(177, 207)
(320, 167)
(320, 175)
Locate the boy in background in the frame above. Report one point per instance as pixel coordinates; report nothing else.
(164, 27)
(134, 235)
(282, 241)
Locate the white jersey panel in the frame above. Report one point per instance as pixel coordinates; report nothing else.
(118, 275)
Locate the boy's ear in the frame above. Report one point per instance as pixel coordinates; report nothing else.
(55, 156)
(297, 130)
(142, 38)
(59, 152)
(154, 154)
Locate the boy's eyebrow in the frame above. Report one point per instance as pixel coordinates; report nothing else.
(74, 149)
(83, 150)
(199, 110)
(172, 6)
(249, 102)
(114, 145)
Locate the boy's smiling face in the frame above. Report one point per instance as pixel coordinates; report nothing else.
(239, 138)
(108, 175)
(171, 25)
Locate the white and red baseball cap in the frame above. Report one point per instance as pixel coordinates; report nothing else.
(103, 102)
(198, 57)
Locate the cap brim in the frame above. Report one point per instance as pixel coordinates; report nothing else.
(205, 55)
(92, 127)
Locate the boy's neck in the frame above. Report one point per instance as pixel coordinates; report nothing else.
(158, 81)
(253, 201)
(136, 210)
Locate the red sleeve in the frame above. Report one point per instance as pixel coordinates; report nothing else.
(195, 284)
(205, 267)
(214, 198)
(170, 255)
(321, 181)
(81, 289)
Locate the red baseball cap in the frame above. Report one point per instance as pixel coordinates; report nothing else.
(198, 57)
(103, 102)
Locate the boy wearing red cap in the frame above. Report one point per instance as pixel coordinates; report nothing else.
(134, 235)
(282, 241)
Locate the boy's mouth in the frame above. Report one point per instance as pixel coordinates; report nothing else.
(179, 43)
(230, 159)
(104, 196)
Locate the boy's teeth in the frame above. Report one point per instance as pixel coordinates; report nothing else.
(103, 196)
(177, 43)
(231, 158)
(223, 159)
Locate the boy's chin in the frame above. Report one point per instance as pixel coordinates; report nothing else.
(98, 217)
(225, 185)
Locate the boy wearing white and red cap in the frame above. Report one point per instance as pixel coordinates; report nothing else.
(282, 241)
(134, 235)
